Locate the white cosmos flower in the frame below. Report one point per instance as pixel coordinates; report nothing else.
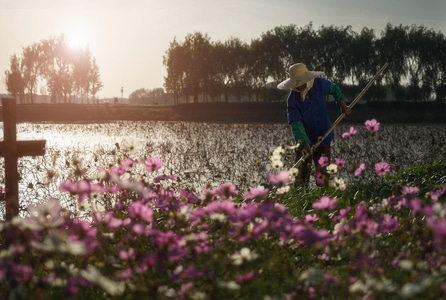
(230, 285)
(217, 217)
(275, 157)
(283, 189)
(294, 171)
(93, 275)
(337, 183)
(131, 144)
(279, 151)
(244, 254)
(332, 168)
(277, 164)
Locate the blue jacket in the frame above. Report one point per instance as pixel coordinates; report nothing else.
(313, 111)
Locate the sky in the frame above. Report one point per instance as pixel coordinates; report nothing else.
(128, 38)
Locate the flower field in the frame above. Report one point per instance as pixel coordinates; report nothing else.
(160, 210)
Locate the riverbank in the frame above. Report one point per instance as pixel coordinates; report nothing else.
(388, 112)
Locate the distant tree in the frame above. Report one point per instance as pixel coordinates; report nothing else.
(175, 61)
(139, 96)
(146, 96)
(334, 44)
(14, 80)
(82, 65)
(393, 46)
(281, 47)
(217, 70)
(95, 83)
(156, 92)
(65, 71)
(362, 57)
(31, 67)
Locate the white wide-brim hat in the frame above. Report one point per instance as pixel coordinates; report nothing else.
(299, 75)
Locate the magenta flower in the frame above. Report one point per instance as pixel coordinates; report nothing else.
(311, 218)
(372, 125)
(342, 213)
(350, 133)
(82, 188)
(382, 168)
(438, 228)
(388, 223)
(323, 161)
(320, 178)
(137, 209)
(409, 190)
(245, 277)
(283, 178)
(256, 193)
(340, 162)
(226, 190)
(436, 195)
(153, 164)
(359, 170)
(127, 254)
(325, 203)
(187, 274)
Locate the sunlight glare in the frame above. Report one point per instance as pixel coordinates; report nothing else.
(77, 40)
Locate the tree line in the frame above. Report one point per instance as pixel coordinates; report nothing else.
(199, 69)
(52, 67)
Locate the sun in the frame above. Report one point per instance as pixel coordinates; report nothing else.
(77, 40)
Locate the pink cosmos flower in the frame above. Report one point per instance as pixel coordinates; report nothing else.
(137, 209)
(372, 125)
(320, 178)
(388, 223)
(153, 164)
(409, 190)
(245, 277)
(256, 193)
(438, 228)
(325, 203)
(382, 168)
(311, 218)
(436, 195)
(82, 188)
(283, 178)
(339, 162)
(350, 133)
(226, 190)
(359, 170)
(125, 165)
(342, 213)
(127, 254)
(323, 161)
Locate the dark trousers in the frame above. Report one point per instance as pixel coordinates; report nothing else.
(321, 176)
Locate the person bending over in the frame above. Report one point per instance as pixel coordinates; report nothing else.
(308, 117)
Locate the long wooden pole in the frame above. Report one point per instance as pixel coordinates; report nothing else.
(341, 117)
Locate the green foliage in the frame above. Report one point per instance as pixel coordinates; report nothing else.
(427, 177)
(240, 70)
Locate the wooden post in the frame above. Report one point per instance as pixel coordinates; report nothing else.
(11, 150)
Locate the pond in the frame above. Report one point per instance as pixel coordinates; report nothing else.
(203, 154)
